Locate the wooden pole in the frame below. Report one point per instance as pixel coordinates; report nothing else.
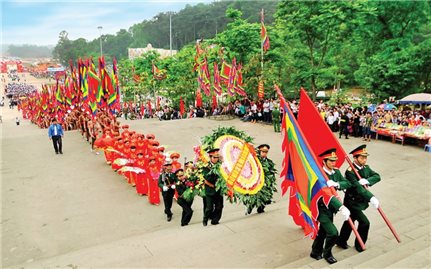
(380, 208)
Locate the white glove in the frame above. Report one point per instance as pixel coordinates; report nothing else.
(345, 212)
(165, 188)
(363, 182)
(332, 183)
(173, 187)
(374, 202)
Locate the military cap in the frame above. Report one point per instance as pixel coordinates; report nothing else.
(264, 146)
(361, 150)
(329, 154)
(213, 151)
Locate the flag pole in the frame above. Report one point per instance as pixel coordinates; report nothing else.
(346, 157)
(379, 208)
(355, 231)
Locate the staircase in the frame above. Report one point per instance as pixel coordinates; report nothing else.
(383, 251)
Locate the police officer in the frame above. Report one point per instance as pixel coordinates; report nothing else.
(185, 204)
(357, 197)
(213, 198)
(327, 235)
(167, 182)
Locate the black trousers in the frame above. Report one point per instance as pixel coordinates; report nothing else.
(187, 210)
(168, 196)
(214, 207)
(343, 129)
(56, 141)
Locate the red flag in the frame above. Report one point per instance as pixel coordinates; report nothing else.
(315, 129)
(149, 108)
(198, 98)
(214, 105)
(182, 110)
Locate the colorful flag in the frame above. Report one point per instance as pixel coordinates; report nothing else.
(232, 78)
(302, 173)
(239, 85)
(217, 87)
(158, 73)
(260, 90)
(315, 129)
(225, 72)
(263, 33)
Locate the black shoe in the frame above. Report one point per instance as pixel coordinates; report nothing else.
(56, 152)
(169, 218)
(347, 138)
(315, 256)
(249, 211)
(184, 224)
(342, 245)
(205, 222)
(260, 210)
(61, 152)
(331, 259)
(214, 222)
(358, 248)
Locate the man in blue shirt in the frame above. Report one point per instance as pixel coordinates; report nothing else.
(55, 133)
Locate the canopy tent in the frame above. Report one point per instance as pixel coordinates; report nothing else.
(416, 98)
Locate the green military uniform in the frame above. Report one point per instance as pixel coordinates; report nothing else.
(185, 204)
(168, 180)
(276, 119)
(264, 196)
(327, 229)
(356, 200)
(213, 198)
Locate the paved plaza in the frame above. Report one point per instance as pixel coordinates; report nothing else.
(72, 210)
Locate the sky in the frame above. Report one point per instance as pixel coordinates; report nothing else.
(39, 22)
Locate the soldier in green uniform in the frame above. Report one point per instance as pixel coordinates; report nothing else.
(327, 230)
(213, 198)
(276, 119)
(269, 188)
(167, 182)
(357, 197)
(185, 204)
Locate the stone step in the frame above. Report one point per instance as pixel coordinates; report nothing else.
(420, 259)
(379, 244)
(398, 253)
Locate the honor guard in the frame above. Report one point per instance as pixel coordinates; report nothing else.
(167, 182)
(357, 197)
(213, 198)
(327, 235)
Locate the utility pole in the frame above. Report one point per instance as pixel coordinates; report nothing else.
(170, 33)
(100, 38)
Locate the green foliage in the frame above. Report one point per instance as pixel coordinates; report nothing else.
(189, 24)
(208, 141)
(29, 51)
(382, 46)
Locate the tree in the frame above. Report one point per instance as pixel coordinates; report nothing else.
(315, 28)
